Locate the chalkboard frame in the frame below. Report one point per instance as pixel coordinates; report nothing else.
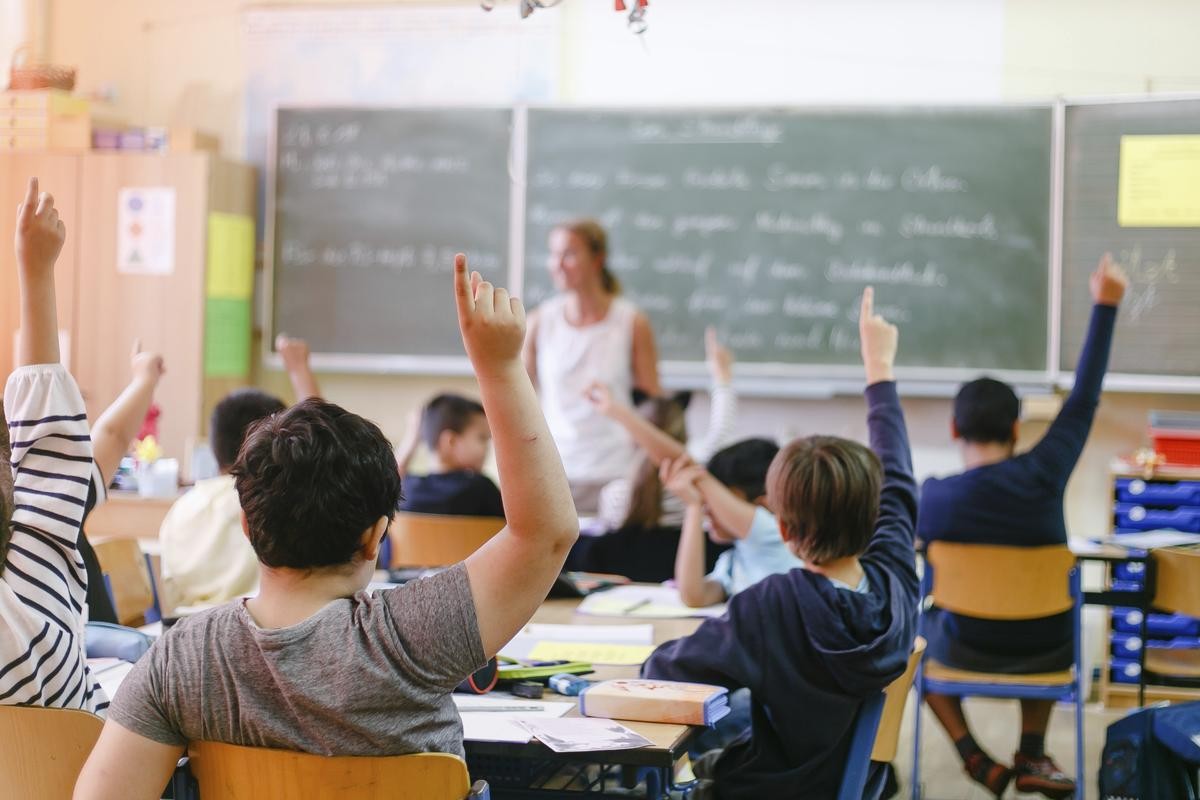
(1113, 381)
(762, 379)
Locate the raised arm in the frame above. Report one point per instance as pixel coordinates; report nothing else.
(731, 512)
(658, 444)
(408, 445)
(695, 589)
(296, 361)
(1059, 449)
(40, 237)
(896, 523)
(722, 406)
(529, 346)
(512, 574)
(645, 357)
(120, 422)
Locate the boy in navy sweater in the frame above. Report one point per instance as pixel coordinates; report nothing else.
(1014, 500)
(812, 643)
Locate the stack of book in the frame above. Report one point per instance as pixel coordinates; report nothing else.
(655, 701)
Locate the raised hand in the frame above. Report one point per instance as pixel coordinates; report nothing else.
(718, 357)
(1108, 282)
(146, 366)
(679, 476)
(294, 352)
(492, 323)
(879, 341)
(601, 398)
(40, 233)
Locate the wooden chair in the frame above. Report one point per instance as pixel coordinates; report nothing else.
(232, 772)
(1176, 591)
(42, 750)
(128, 576)
(876, 732)
(437, 540)
(1003, 583)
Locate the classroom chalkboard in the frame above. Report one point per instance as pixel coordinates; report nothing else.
(369, 207)
(1158, 328)
(769, 223)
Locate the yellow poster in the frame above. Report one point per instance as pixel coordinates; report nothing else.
(1159, 182)
(230, 256)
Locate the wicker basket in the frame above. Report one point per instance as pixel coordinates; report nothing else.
(23, 75)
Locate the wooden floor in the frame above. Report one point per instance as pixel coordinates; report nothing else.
(995, 724)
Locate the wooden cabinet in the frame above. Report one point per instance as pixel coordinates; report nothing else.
(104, 309)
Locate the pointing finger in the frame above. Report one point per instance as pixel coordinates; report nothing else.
(463, 296)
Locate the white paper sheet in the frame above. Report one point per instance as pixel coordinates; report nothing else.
(584, 734)
(483, 723)
(1148, 540)
(649, 602)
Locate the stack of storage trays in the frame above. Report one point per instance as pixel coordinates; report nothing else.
(1144, 505)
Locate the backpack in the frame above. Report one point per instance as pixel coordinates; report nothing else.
(1153, 754)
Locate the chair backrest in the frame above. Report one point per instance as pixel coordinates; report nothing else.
(42, 750)
(232, 772)
(437, 540)
(1001, 582)
(858, 759)
(1177, 580)
(132, 594)
(887, 737)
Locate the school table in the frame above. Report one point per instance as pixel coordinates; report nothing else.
(504, 764)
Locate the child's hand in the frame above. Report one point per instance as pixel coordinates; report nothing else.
(879, 341)
(148, 367)
(679, 476)
(294, 352)
(491, 322)
(1108, 282)
(40, 233)
(600, 396)
(718, 357)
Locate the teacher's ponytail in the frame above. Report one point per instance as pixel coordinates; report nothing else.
(596, 238)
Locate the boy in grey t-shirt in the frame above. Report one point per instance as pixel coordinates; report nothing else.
(313, 663)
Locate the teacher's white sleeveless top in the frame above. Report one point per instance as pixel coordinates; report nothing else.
(569, 359)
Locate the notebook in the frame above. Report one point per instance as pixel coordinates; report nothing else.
(655, 701)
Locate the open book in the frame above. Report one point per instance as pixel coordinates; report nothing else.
(655, 701)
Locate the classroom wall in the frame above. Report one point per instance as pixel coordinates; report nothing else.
(181, 61)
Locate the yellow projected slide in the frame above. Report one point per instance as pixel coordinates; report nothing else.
(1159, 183)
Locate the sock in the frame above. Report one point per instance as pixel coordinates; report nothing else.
(967, 747)
(1033, 745)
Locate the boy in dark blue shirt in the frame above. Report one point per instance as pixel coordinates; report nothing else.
(456, 432)
(812, 643)
(1014, 500)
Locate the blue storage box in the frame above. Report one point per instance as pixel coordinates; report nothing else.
(1133, 571)
(1158, 493)
(1126, 586)
(1176, 643)
(1126, 645)
(1142, 518)
(1124, 670)
(1126, 620)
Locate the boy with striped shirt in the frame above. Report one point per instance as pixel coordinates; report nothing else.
(43, 582)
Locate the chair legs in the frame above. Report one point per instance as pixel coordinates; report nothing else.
(1080, 768)
(915, 778)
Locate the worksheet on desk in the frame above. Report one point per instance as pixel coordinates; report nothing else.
(643, 602)
(614, 645)
(497, 717)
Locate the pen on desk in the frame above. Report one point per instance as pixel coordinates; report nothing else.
(645, 601)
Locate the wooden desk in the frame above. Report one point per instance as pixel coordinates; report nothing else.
(127, 515)
(670, 742)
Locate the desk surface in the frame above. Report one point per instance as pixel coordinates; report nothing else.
(669, 741)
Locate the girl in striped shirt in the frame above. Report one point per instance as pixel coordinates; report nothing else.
(43, 582)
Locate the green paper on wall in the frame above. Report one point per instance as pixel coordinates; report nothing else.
(230, 256)
(227, 337)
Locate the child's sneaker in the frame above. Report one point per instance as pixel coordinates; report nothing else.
(1042, 775)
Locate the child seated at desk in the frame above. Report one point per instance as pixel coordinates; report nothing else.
(456, 431)
(1011, 499)
(205, 555)
(813, 643)
(44, 436)
(314, 662)
(733, 492)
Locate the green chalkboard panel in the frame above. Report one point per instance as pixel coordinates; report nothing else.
(1158, 328)
(370, 206)
(769, 223)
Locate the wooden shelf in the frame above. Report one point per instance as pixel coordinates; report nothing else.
(1125, 695)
